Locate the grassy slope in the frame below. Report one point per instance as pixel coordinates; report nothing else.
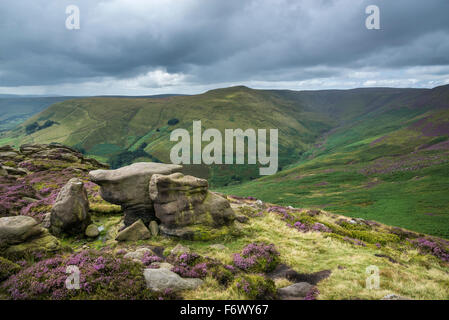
(15, 110)
(391, 166)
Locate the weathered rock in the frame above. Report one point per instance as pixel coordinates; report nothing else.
(138, 254)
(9, 155)
(43, 243)
(46, 223)
(136, 231)
(182, 201)
(154, 228)
(7, 148)
(18, 229)
(92, 231)
(296, 291)
(15, 171)
(128, 187)
(70, 212)
(161, 279)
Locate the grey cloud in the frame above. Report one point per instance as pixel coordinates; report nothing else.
(215, 41)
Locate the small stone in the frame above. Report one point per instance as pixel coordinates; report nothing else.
(46, 223)
(296, 291)
(154, 228)
(92, 231)
(136, 231)
(138, 254)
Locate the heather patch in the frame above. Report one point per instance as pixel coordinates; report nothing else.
(102, 276)
(257, 257)
(192, 265)
(438, 248)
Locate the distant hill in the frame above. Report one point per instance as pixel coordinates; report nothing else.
(16, 109)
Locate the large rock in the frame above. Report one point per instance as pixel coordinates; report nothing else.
(128, 187)
(70, 213)
(183, 201)
(136, 231)
(158, 280)
(18, 229)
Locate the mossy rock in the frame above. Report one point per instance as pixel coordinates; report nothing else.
(7, 268)
(45, 243)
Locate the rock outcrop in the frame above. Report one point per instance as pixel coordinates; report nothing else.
(70, 212)
(128, 187)
(22, 235)
(182, 202)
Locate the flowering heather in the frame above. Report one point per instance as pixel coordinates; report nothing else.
(102, 276)
(148, 259)
(355, 242)
(312, 294)
(321, 228)
(281, 211)
(257, 257)
(429, 246)
(190, 265)
(408, 162)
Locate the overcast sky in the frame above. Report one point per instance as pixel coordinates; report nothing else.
(141, 47)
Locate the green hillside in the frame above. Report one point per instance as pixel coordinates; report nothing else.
(389, 165)
(17, 109)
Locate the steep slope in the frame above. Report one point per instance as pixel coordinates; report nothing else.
(389, 165)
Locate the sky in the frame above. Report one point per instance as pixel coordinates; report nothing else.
(145, 47)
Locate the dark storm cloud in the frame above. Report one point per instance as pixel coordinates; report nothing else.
(215, 41)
